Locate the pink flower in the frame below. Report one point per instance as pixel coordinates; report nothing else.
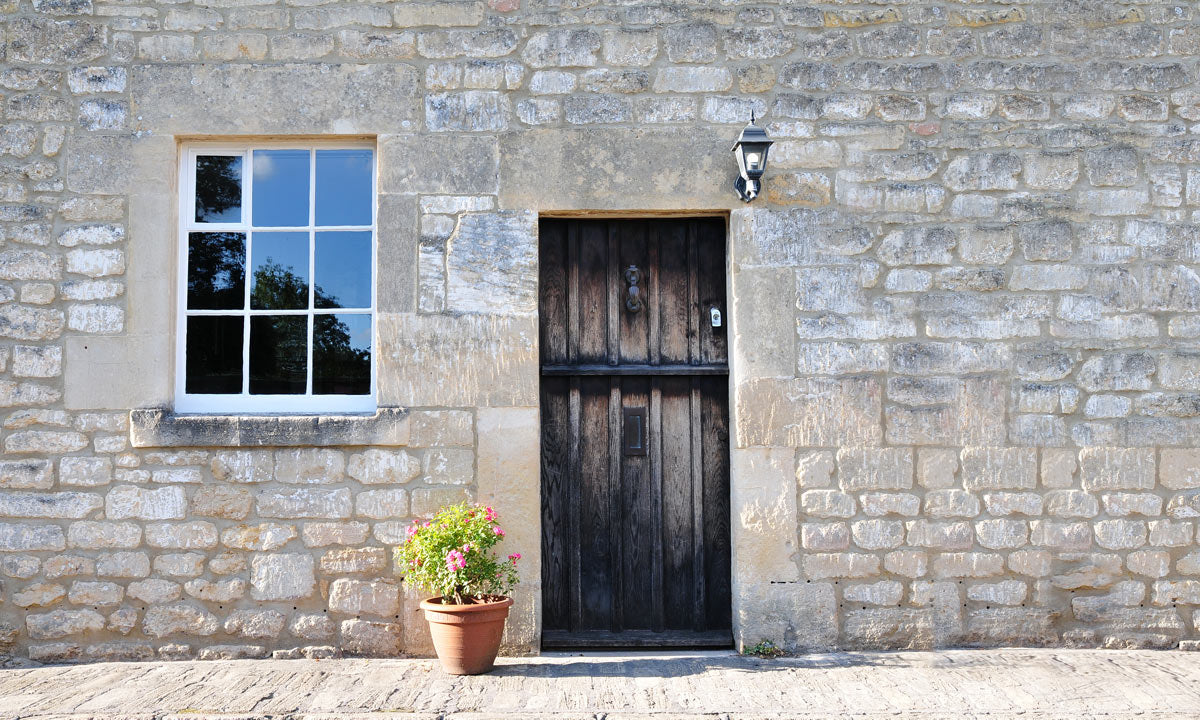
(455, 561)
(466, 548)
(489, 514)
(498, 530)
(514, 558)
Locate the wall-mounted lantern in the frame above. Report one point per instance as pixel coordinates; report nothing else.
(751, 150)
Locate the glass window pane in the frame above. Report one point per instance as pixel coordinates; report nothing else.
(343, 269)
(342, 355)
(214, 355)
(278, 354)
(280, 189)
(344, 187)
(216, 271)
(219, 188)
(279, 271)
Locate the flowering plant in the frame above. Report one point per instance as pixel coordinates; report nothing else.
(450, 555)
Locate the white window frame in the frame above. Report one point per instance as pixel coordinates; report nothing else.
(244, 402)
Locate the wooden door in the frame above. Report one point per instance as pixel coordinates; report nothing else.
(635, 435)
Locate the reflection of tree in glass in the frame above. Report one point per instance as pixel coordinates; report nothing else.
(218, 187)
(338, 366)
(216, 270)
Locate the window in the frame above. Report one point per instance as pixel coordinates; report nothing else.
(277, 279)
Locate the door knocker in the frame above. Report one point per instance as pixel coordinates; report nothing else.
(633, 301)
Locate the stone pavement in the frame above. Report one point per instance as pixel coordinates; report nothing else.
(991, 684)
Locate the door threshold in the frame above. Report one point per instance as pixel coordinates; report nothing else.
(635, 654)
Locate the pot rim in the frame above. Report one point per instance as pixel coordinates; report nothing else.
(434, 604)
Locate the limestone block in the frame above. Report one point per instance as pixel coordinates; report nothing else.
(221, 591)
(562, 48)
(255, 623)
(697, 177)
(892, 628)
(311, 627)
(90, 535)
(967, 564)
(373, 467)
(1061, 535)
(44, 441)
(283, 576)
(881, 504)
(1124, 504)
(262, 537)
(1071, 503)
(1151, 563)
(822, 358)
(83, 471)
(123, 564)
(875, 468)
(353, 597)
(821, 566)
(246, 466)
(1119, 371)
(14, 537)
(763, 512)
(381, 504)
(1166, 533)
(19, 566)
(1005, 626)
(39, 595)
(309, 466)
(907, 563)
(127, 501)
(222, 501)
(51, 42)
(448, 163)
(1035, 563)
(808, 412)
(68, 565)
(796, 617)
(951, 503)
(999, 468)
(827, 503)
(325, 534)
(1001, 504)
(825, 536)
(1103, 468)
(181, 536)
(815, 469)
(180, 619)
(372, 639)
(1005, 592)
(179, 564)
(425, 503)
(1058, 467)
(436, 428)
(304, 503)
(153, 591)
(884, 592)
(355, 560)
(974, 415)
(940, 535)
(1001, 534)
(489, 264)
(878, 534)
(284, 98)
(29, 475)
(464, 360)
(63, 623)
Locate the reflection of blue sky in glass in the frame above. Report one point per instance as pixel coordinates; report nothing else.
(279, 268)
(343, 260)
(280, 188)
(360, 330)
(343, 187)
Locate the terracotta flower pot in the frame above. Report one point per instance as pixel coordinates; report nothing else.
(466, 637)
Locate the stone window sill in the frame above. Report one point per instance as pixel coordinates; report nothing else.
(157, 427)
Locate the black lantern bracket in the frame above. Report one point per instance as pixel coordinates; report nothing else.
(751, 151)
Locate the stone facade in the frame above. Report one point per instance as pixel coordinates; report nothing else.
(966, 354)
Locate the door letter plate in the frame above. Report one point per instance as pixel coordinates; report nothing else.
(635, 431)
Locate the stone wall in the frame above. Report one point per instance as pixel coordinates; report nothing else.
(966, 372)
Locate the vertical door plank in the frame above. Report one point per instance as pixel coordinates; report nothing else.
(714, 431)
(573, 310)
(635, 326)
(676, 540)
(654, 530)
(556, 472)
(696, 488)
(593, 293)
(552, 296)
(615, 294)
(693, 295)
(636, 520)
(595, 577)
(672, 291)
(572, 487)
(653, 302)
(710, 234)
(615, 469)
